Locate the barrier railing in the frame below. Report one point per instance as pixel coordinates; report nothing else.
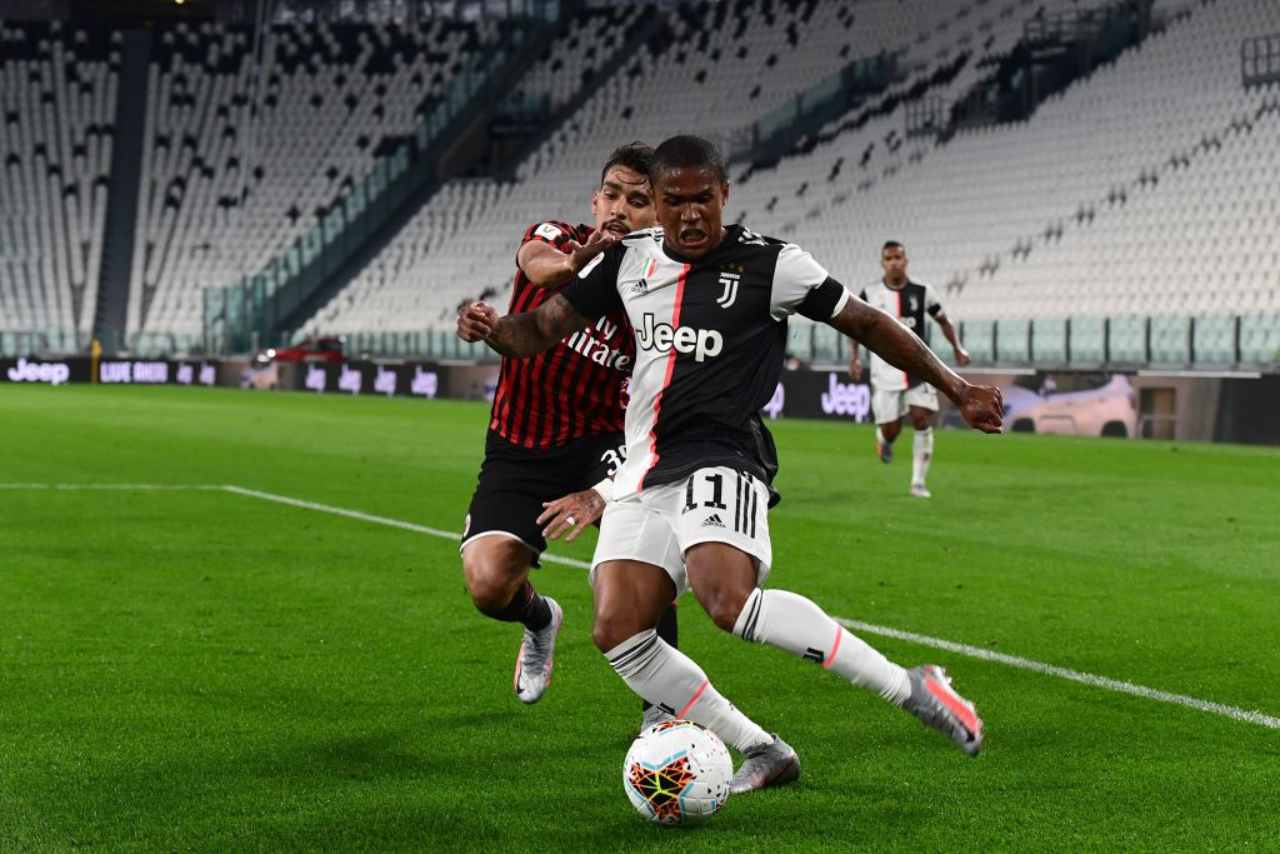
(1119, 342)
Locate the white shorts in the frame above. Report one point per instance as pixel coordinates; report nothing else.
(891, 405)
(713, 505)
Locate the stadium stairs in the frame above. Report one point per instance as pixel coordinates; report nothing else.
(122, 197)
(1057, 50)
(647, 30)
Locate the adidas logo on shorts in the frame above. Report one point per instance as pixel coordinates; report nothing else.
(712, 521)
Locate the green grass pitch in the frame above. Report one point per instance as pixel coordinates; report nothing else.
(201, 670)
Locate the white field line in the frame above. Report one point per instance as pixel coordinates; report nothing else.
(1253, 717)
(1092, 680)
(379, 520)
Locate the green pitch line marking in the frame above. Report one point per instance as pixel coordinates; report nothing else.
(1090, 679)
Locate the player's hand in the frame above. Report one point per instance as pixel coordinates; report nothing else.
(855, 368)
(571, 514)
(580, 254)
(982, 407)
(962, 357)
(476, 322)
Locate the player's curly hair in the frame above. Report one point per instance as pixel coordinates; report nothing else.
(688, 152)
(635, 156)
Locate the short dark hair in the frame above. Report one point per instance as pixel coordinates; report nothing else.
(635, 156)
(891, 244)
(688, 152)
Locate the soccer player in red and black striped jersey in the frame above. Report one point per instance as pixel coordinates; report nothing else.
(556, 427)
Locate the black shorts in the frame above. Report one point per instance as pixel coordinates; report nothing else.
(514, 481)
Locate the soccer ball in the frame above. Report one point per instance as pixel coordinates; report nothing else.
(677, 772)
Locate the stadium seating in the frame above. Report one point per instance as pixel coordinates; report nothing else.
(58, 94)
(1133, 219)
(229, 187)
(1145, 189)
(729, 63)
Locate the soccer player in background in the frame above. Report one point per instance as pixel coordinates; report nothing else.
(555, 427)
(709, 307)
(897, 393)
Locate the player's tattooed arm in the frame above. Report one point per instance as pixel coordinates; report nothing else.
(520, 334)
(981, 406)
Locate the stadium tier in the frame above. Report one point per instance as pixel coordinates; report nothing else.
(58, 89)
(227, 186)
(728, 62)
(1127, 217)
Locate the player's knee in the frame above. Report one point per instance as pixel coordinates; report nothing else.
(489, 582)
(610, 630)
(488, 595)
(723, 604)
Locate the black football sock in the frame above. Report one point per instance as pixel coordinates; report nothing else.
(525, 607)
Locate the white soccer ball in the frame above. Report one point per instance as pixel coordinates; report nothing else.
(677, 772)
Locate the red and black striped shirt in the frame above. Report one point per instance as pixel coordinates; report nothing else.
(579, 386)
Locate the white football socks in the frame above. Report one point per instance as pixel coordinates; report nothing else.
(880, 436)
(921, 455)
(668, 678)
(797, 625)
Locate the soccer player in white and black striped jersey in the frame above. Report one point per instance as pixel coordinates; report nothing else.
(897, 393)
(709, 305)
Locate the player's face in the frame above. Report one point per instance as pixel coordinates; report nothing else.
(624, 202)
(894, 262)
(690, 209)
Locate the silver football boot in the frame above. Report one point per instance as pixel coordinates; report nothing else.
(774, 764)
(533, 662)
(937, 705)
(653, 716)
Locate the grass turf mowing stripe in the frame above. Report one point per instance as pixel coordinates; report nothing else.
(1092, 680)
(111, 487)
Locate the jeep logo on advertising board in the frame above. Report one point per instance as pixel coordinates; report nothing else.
(774, 407)
(315, 379)
(853, 399)
(425, 383)
(384, 382)
(53, 373)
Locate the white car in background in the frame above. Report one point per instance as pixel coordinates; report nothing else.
(1089, 405)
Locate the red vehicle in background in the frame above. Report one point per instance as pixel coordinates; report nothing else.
(307, 350)
(263, 371)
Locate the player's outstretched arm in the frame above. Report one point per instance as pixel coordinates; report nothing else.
(981, 406)
(548, 267)
(520, 334)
